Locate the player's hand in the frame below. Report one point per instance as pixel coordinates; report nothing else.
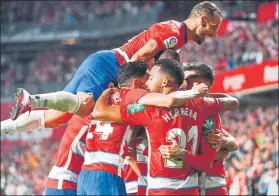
(214, 139)
(172, 151)
(106, 93)
(202, 89)
(87, 104)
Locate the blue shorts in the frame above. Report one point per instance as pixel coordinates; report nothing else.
(97, 182)
(50, 191)
(95, 73)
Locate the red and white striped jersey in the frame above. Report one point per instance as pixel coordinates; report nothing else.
(133, 182)
(105, 142)
(70, 156)
(163, 125)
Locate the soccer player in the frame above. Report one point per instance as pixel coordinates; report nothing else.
(163, 125)
(100, 68)
(135, 164)
(214, 182)
(105, 142)
(63, 177)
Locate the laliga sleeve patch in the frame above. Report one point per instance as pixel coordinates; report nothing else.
(208, 126)
(134, 108)
(170, 42)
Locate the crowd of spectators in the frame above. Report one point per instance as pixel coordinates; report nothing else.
(25, 168)
(247, 44)
(252, 170)
(70, 12)
(46, 68)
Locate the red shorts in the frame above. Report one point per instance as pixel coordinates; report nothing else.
(217, 191)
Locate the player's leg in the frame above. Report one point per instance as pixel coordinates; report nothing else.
(95, 182)
(50, 191)
(93, 76)
(36, 119)
(82, 103)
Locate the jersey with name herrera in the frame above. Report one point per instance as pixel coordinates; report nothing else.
(163, 125)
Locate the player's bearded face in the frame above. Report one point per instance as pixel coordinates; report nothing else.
(207, 28)
(201, 33)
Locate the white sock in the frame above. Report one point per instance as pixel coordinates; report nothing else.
(25, 122)
(61, 101)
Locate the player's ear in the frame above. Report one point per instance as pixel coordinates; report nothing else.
(203, 21)
(166, 83)
(134, 84)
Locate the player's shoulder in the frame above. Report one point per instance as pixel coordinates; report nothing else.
(116, 97)
(171, 25)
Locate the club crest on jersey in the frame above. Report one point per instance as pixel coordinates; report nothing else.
(208, 126)
(170, 42)
(134, 108)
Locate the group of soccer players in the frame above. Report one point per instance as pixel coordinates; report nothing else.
(158, 132)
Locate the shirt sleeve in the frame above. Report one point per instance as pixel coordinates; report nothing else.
(211, 107)
(166, 36)
(137, 114)
(204, 161)
(133, 95)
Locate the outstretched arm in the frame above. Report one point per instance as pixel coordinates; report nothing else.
(176, 98)
(228, 103)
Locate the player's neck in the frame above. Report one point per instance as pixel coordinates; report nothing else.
(166, 90)
(191, 27)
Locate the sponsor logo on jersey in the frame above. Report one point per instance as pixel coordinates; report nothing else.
(208, 126)
(170, 42)
(134, 108)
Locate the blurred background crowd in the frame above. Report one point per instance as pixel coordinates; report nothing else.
(34, 57)
(252, 170)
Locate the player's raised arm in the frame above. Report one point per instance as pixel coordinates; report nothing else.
(147, 52)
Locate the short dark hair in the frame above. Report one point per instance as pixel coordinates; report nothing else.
(205, 8)
(168, 54)
(202, 69)
(131, 70)
(173, 68)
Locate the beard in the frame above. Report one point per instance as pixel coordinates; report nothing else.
(200, 36)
